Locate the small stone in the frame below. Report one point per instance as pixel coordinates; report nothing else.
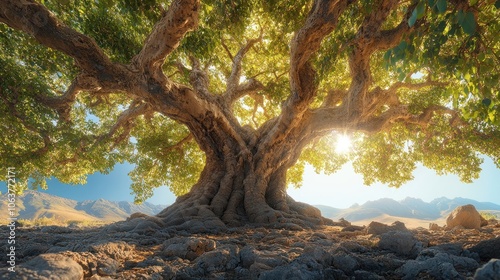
(489, 271)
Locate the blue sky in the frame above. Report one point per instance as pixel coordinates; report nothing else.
(340, 190)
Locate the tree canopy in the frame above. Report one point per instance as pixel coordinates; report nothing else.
(407, 81)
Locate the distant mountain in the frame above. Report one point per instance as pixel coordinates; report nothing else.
(411, 208)
(35, 205)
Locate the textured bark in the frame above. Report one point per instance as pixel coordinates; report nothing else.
(231, 192)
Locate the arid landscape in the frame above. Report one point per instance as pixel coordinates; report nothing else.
(141, 247)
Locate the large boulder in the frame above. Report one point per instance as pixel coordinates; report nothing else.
(465, 216)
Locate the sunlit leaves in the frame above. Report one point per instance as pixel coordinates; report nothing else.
(163, 158)
(201, 42)
(231, 15)
(438, 6)
(417, 13)
(446, 154)
(386, 158)
(288, 16)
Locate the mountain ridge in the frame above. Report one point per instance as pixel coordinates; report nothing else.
(33, 205)
(412, 208)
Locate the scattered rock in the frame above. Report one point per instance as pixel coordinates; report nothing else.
(433, 226)
(107, 267)
(114, 250)
(345, 262)
(401, 243)
(142, 248)
(366, 275)
(187, 248)
(352, 228)
(221, 259)
(465, 216)
(45, 267)
(437, 264)
(455, 249)
(489, 271)
(377, 228)
(487, 249)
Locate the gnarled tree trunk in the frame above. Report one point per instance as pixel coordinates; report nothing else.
(243, 181)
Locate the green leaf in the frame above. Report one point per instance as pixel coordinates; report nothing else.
(468, 23)
(401, 77)
(486, 102)
(491, 116)
(472, 2)
(420, 10)
(413, 18)
(460, 16)
(481, 56)
(441, 6)
(403, 45)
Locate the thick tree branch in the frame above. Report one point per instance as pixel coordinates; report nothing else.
(247, 88)
(401, 114)
(320, 22)
(233, 81)
(306, 42)
(62, 104)
(332, 117)
(125, 122)
(370, 38)
(179, 145)
(181, 17)
(370, 35)
(379, 97)
(198, 78)
(36, 20)
(333, 98)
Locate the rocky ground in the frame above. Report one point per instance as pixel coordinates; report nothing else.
(141, 249)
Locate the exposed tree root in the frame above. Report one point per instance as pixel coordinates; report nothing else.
(193, 216)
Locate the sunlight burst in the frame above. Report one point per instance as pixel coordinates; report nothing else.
(343, 144)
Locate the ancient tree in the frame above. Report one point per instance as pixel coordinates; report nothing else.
(226, 101)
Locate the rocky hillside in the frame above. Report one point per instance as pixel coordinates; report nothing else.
(35, 205)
